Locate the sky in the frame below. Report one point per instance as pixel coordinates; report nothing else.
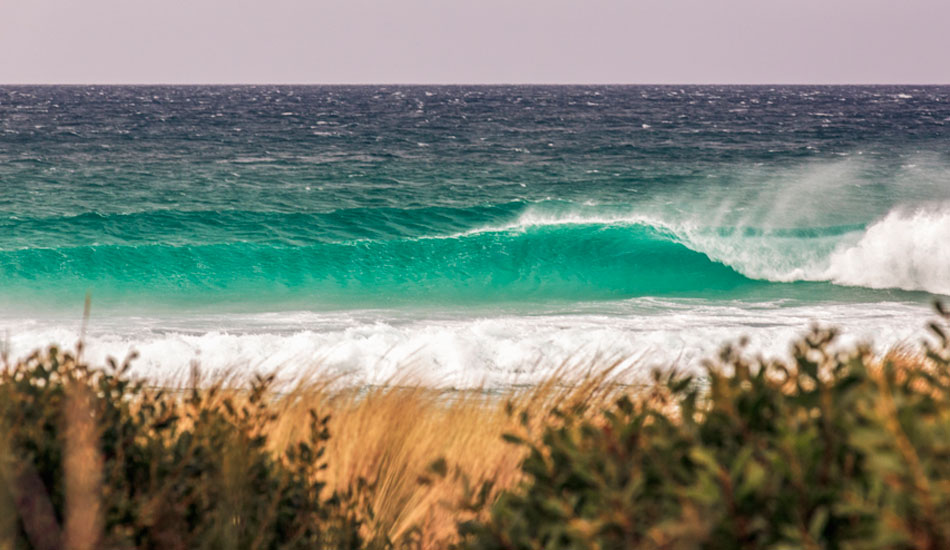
(475, 41)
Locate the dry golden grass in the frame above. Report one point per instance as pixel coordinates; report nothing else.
(389, 436)
(83, 472)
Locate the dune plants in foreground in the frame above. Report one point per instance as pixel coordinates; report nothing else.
(835, 448)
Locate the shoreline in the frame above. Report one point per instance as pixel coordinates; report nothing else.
(451, 349)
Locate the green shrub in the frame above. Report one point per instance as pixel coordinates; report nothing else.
(119, 465)
(832, 450)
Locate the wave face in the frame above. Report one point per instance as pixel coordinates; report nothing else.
(509, 252)
(578, 261)
(516, 252)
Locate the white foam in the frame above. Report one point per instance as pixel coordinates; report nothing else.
(905, 249)
(462, 349)
(768, 256)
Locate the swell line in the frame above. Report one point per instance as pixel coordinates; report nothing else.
(565, 262)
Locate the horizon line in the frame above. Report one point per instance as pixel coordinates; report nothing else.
(474, 84)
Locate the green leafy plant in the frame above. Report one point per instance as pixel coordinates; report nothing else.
(120, 465)
(835, 449)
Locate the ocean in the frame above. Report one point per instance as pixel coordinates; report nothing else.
(467, 235)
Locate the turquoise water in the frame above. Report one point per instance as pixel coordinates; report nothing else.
(461, 223)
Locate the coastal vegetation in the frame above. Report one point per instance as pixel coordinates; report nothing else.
(835, 448)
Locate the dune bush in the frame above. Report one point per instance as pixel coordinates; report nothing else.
(834, 449)
(92, 459)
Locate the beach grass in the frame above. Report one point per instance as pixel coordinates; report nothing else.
(394, 438)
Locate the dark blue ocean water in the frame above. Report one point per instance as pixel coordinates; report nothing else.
(451, 222)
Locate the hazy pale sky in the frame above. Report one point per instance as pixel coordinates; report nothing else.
(474, 41)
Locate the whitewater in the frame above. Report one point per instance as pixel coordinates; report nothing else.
(467, 236)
